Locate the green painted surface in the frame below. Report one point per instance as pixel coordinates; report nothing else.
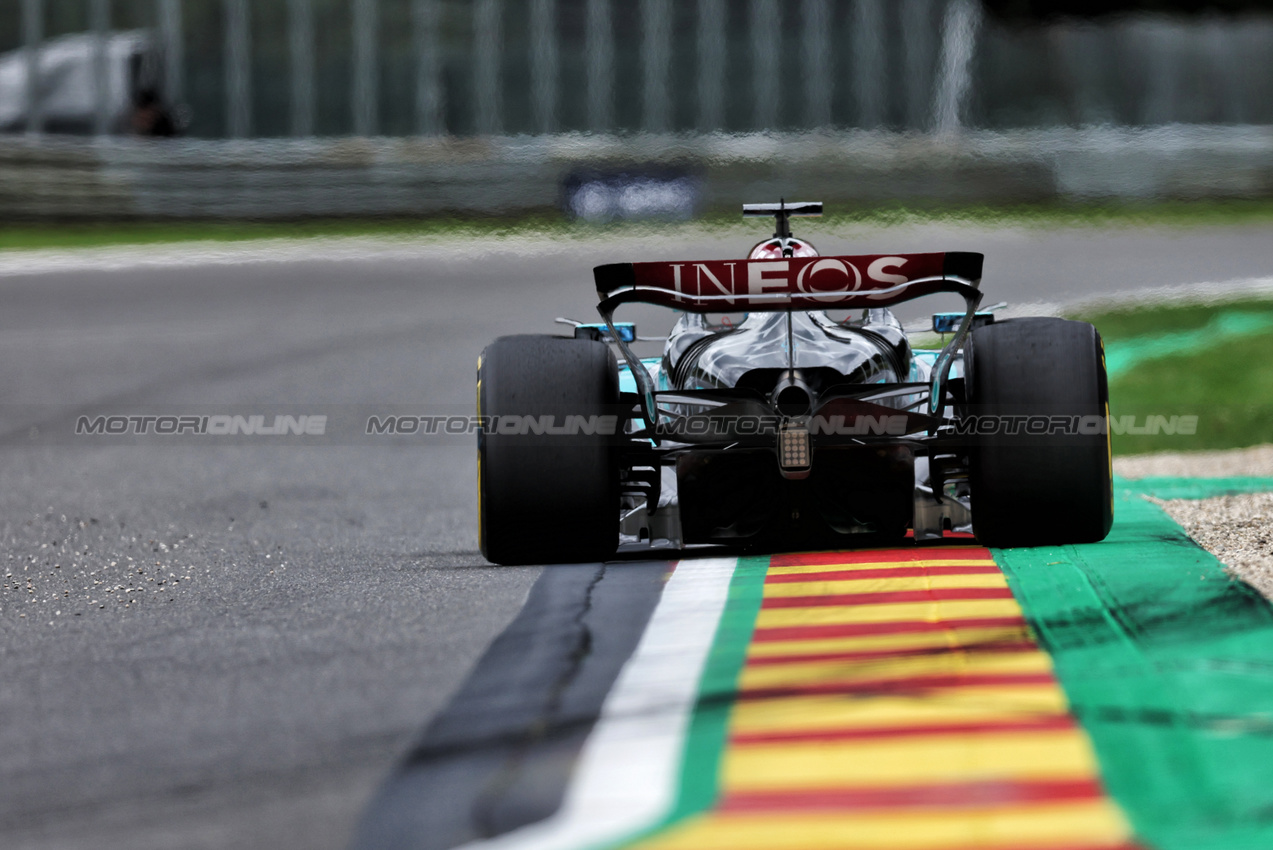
(698, 783)
(1149, 317)
(1202, 488)
(1168, 663)
(1122, 356)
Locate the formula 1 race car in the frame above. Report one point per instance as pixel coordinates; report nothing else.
(792, 427)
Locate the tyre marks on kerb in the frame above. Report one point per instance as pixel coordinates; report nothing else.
(499, 756)
(896, 698)
(626, 774)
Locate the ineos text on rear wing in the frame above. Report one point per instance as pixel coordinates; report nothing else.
(806, 283)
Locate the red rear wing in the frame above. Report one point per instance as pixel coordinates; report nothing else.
(805, 283)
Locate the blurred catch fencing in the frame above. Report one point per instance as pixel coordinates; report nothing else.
(387, 107)
(502, 175)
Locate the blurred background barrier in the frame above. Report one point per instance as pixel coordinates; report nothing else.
(266, 178)
(352, 107)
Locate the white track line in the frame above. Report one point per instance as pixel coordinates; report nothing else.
(264, 251)
(1206, 292)
(307, 249)
(627, 774)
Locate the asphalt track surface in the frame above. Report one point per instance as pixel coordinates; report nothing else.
(320, 604)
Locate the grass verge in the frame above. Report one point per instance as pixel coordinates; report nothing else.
(35, 235)
(24, 236)
(1223, 378)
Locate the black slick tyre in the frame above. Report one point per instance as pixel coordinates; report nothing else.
(1045, 477)
(545, 497)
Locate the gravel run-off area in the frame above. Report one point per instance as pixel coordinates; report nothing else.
(1236, 529)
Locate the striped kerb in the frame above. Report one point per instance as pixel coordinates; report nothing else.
(897, 699)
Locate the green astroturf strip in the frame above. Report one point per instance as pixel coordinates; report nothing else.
(705, 740)
(1168, 663)
(1202, 488)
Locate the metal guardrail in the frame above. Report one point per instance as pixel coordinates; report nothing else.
(504, 175)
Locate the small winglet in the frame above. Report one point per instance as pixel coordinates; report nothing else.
(801, 208)
(782, 213)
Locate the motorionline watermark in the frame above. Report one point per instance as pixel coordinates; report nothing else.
(211, 425)
(983, 425)
(574, 425)
(896, 425)
(707, 425)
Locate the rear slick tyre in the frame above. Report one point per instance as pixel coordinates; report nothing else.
(1047, 479)
(547, 498)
